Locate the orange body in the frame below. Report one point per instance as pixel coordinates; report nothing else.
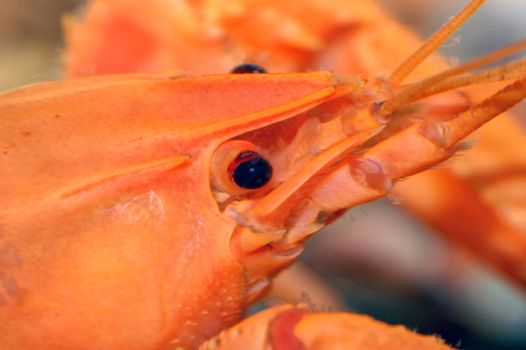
(129, 233)
(107, 257)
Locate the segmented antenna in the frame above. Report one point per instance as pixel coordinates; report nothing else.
(483, 112)
(511, 71)
(431, 44)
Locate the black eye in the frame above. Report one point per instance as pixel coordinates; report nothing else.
(248, 68)
(251, 171)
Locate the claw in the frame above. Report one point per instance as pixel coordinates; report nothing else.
(296, 328)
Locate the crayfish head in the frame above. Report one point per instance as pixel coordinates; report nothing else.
(292, 174)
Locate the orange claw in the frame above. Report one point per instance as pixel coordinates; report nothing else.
(289, 327)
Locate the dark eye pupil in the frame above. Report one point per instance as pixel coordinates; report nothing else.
(248, 68)
(252, 172)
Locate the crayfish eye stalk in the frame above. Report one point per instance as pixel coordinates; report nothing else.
(248, 68)
(250, 170)
(239, 168)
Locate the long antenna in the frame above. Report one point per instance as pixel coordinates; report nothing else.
(431, 44)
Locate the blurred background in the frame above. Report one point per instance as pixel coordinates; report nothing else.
(30, 40)
(379, 259)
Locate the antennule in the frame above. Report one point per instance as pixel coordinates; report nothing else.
(481, 113)
(431, 44)
(510, 71)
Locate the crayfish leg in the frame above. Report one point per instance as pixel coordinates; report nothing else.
(423, 144)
